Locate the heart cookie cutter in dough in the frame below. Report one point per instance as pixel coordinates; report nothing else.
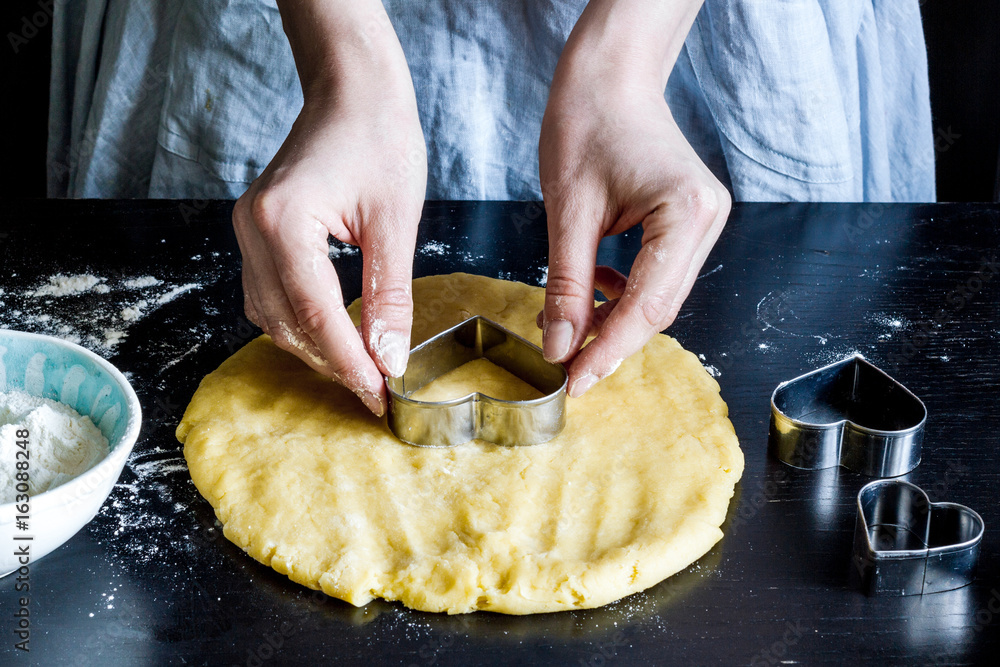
(447, 423)
(850, 413)
(906, 545)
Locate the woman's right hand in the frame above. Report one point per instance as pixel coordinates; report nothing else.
(354, 166)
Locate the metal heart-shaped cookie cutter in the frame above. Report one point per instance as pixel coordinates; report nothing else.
(906, 545)
(850, 413)
(477, 416)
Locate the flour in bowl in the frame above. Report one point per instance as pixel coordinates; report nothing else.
(62, 444)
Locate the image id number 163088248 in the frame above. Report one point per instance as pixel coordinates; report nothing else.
(22, 539)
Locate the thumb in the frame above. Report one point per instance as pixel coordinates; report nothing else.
(569, 291)
(387, 300)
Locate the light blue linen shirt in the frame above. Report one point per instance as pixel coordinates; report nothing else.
(808, 100)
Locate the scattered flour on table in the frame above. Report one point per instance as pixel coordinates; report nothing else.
(891, 323)
(338, 249)
(90, 310)
(133, 313)
(835, 354)
(712, 370)
(62, 444)
(112, 337)
(776, 309)
(468, 257)
(149, 506)
(143, 281)
(60, 285)
(152, 501)
(434, 248)
(704, 275)
(175, 292)
(543, 280)
(440, 249)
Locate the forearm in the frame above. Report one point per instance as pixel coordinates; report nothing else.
(342, 43)
(632, 42)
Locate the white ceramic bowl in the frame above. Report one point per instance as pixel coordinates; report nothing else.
(56, 369)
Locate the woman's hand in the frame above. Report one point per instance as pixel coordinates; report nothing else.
(611, 157)
(353, 166)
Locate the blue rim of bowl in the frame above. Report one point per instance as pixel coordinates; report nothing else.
(78, 487)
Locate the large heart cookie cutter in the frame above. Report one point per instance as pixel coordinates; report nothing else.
(447, 423)
(906, 545)
(850, 413)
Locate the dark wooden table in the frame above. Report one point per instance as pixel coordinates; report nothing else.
(788, 288)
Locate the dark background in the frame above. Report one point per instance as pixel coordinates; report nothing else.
(963, 39)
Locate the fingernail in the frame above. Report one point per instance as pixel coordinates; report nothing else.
(556, 339)
(372, 402)
(394, 350)
(581, 385)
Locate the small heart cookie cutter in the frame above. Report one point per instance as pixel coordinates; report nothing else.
(906, 545)
(850, 413)
(453, 422)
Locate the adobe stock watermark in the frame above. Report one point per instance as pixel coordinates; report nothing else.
(431, 650)
(244, 331)
(431, 309)
(30, 25)
(533, 210)
(606, 651)
(774, 654)
(59, 168)
(22, 539)
(190, 208)
(986, 614)
(773, 308)
(944, 139)
(955, 301)
(983, 617)
(858, 228)
(272, 643)
(753, 505)
(378, 21)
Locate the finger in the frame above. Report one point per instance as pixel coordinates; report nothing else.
(387, 246)
(275, 315)
(265, 302)
(305, 276)
(250, 297)
(661, 278)
(601, 313)
(569, 291)
(610, 282)
(248, 279)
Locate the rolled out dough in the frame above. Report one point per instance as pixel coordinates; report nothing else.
(305, 480)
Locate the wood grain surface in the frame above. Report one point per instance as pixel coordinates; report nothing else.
(788, 288)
